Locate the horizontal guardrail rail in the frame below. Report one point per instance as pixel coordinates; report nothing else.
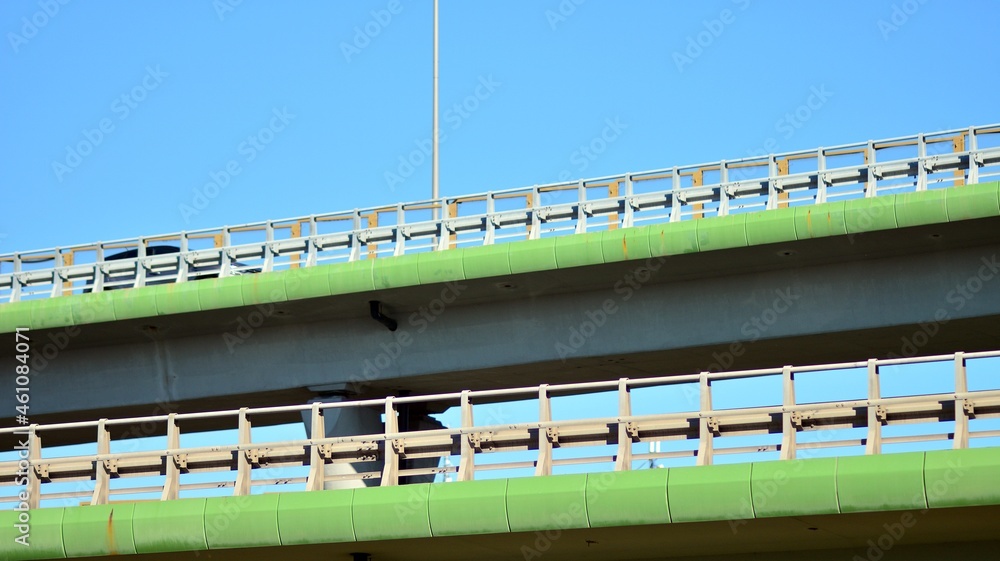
(34, 472)
(867, 169)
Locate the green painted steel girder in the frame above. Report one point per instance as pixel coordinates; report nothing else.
(785, 488)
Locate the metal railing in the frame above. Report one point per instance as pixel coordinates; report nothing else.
(706, 427)
(867, 169)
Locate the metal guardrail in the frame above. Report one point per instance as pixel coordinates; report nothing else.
(867, 169)
(706, 426)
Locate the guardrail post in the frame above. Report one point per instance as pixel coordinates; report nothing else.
(57, 263)
(355, 236)
(490, 234)
(874, 443)
(783, 165)
(772, 181)
(295, 232)
(186, 261)
(69, 259)
(317, 465)
(102, 475)
(820, 176)
(221, 242)
(676, 209)
(697, 180)
(705, 429)
(467, 468)
(98, 280)
(390, 471)
(34, 486)
(972, 146)
(400, 248)
(624, 460)
(445, 239)
(544, 464)
(452, 209)
(788, 428)
(15, 281)
(311, 243)
(182, 259)
(243, 467)
(921, 163)
(535, 223)
(871, 186)
(171, 485)
(961, 413)
(628, 211)
(723, 195)
(140, 266)
(958, 147)
(268, 252)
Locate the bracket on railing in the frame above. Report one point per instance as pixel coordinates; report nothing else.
(253, 455)
(181, 461)
(881, 414)
(552, 435)
(399, 445)
(969, 407)
(481, 441)
(325, 451)
(713, 425)
(632, 430)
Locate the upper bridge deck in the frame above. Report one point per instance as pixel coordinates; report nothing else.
(875, 168)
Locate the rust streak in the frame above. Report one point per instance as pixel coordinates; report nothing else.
(112, 550)
(624, 247)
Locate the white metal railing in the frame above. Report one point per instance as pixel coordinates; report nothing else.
(867, 169)
(704, 426)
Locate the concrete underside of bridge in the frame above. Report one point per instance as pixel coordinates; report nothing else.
(918, 290)
(955, 533)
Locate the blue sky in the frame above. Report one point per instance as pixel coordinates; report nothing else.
(117, 115)
(123, 119)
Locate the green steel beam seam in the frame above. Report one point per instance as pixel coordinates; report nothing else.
(859, 215)
(975, 482)
(836, 487)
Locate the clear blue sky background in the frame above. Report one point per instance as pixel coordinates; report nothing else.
(199, 78)
(560, 78)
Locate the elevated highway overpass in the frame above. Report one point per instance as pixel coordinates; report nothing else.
(881, 248)
(860, 256)
(787, 498)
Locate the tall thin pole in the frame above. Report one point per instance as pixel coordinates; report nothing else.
(434, 134)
